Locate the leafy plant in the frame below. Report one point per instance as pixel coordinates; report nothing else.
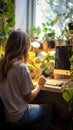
(38, 66)
(47, 64)
(33, 65)
(34, 32)
(2, 51)
(48, 33)
(67, 90)
(8, 22)
(67, 19)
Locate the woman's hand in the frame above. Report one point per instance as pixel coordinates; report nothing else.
(41, 81)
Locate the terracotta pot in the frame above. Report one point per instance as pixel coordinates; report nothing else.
(45, 45)
(60, 42)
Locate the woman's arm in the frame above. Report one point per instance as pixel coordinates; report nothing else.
(31, 95)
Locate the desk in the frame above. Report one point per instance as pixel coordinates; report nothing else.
(50, 87)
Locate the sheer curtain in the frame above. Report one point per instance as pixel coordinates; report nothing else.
(25, 14)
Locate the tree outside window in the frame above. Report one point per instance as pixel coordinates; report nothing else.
(47, 10)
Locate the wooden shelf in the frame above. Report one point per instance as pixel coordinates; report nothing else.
(41, 50)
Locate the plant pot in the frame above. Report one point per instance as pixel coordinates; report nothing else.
(46, 75)
(60, 42)
(70, 26)
(45, 45)
(52, 44)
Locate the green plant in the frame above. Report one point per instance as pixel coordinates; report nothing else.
(67, 23)
(48, 33)
(68, 35)
(2, 51)
(67, 90)
(33, 65)
(34, 32)
(7, 17)
(67, 15)
(47, 64)
(59, 37)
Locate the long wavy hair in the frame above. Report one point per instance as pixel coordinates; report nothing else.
(17, 45)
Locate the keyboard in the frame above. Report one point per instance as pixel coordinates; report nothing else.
(54, 82)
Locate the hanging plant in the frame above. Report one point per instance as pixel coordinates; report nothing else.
(7, 15)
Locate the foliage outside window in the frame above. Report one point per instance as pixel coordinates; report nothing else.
(48, 10)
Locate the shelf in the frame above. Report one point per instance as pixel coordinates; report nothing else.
(41, 50)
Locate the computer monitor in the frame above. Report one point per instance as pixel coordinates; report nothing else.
(62, 62)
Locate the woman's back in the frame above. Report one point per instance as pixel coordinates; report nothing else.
(13, 89)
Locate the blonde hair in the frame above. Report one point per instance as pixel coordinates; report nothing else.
(17, 45)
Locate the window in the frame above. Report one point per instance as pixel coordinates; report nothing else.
(49, 9)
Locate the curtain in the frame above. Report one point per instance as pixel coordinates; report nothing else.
(25, 14)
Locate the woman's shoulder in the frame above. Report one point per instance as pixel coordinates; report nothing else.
(21, 66)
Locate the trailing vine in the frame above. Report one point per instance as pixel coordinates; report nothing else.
(7, 20)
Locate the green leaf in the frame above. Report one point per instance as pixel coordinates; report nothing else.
(1, 52)
(66, 96)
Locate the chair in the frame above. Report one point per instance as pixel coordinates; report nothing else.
(7, 126)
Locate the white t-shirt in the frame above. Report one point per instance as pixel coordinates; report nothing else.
(18, 83)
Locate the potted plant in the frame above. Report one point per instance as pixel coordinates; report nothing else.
(34, 33)
(67, 23)
(59, 40)
(48, 34)
(47, 65)
(33, 65)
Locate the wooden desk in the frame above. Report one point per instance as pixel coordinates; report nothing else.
(51, 88)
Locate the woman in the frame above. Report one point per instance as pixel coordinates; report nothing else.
(16, 87)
